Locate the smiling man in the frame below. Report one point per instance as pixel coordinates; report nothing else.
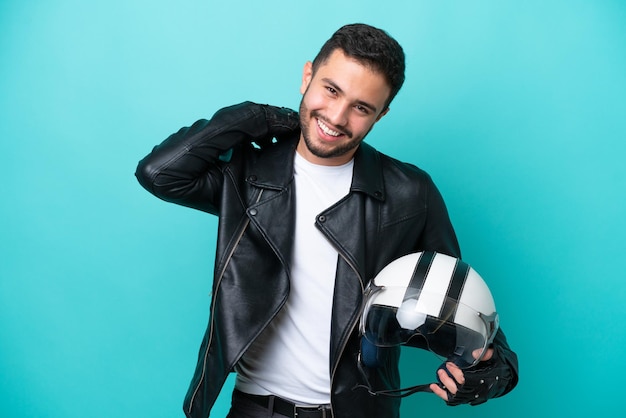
(342, 100)
(309, 214)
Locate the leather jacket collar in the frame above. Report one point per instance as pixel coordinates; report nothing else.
(270, 170)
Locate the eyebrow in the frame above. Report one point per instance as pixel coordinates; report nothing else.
(361, 102)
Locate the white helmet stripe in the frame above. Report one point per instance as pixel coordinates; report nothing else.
(436, 285)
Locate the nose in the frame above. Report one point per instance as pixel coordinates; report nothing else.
(338, 113)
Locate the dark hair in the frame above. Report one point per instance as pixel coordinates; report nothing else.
(370, 46)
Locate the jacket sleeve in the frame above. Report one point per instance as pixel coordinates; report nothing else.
(508, 360)
(438, 234)
(186, 168)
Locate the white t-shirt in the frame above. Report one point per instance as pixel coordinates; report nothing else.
(290, 358)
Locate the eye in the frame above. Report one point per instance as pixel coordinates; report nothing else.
(331, 90)
(362, 109)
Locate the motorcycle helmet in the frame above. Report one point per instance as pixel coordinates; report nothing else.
(434, 302)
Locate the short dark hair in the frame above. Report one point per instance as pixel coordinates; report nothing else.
(370, 46)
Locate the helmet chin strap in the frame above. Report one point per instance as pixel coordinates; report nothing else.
(394, 393)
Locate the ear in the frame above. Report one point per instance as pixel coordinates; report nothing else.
(383, 113)
(307, 75)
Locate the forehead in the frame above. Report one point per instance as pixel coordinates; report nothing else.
(356, 80)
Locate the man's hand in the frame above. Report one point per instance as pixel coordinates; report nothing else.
(281, 122)
(489, 378)
(451, 384)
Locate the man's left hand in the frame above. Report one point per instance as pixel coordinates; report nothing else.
(489, 378)
(451, 384)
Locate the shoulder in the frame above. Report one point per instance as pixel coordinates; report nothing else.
(395, 169)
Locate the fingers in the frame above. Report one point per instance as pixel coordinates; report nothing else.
(486, 356)
(437, 390)
(454, 377)
(450, 381)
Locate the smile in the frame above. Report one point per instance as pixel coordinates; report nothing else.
(326, 129)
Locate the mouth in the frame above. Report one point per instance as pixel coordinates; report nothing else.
(331, 133)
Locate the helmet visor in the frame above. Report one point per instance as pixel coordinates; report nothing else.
(460, 341)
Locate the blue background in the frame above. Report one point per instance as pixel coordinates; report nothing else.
(516, 108)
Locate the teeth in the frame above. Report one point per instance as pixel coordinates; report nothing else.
(326, 129)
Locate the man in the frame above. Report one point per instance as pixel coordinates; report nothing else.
(306, 221)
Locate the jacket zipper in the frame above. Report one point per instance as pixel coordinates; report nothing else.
(343, 346)
(206, 353)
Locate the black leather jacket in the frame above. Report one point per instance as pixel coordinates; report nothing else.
(392, 209)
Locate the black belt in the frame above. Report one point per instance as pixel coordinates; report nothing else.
(284, 407)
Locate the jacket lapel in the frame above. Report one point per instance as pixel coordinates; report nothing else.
(345, 226)
(273, 211)
(344, 223)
